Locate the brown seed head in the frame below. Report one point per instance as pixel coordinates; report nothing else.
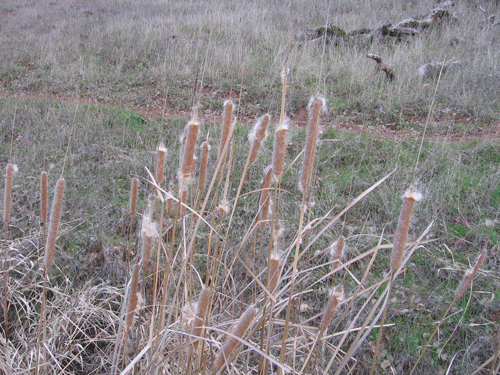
(257, 136)
(149, 233)
(469, 275)
(160, 162)
(200, 316)
(336, 251)
(133, 297)
(336, 296)
(279, 150)
(402, 229)
(226, 125)
(133, 195)
(316, 104)
(188, 160)
(274, 273)
(205, 148)
(232, 341)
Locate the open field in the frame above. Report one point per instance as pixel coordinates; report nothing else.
(90, 90)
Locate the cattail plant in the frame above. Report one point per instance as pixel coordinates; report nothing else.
(149, 233)
(279, 150)
(44, 198)
(401, 235)
(133, 195)
(273, 272)
(188, 158)
(55, 215)
(265, 199)
(205, 149)
(257, 136)
(335, 298)
(160, 162)
(316, 104)
(336, 251)
(226, 126)
(199, 319)
(10, 169)
(133, 298)
(462, 287)
(170, 199)
(231, 343)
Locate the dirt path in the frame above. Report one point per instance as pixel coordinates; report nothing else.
(438, 131)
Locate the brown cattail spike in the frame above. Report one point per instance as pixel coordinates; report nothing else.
(133, 195)
(188, 159)
(265, 200)
(335, 298)
(55, 215)
(149, 233)
(257, 136)
(205, 149)
(232, 341)
(226, 125)
(403, 226)
(160, 162)
(44, 192)
(199, 319)
(469, 275)
(316, 104)
(10, 169)
(170, 199)
(279, 148)
(133, 297)
(336, 251)
(274, 273)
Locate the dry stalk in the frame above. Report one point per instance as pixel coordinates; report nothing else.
(44, 199)
(10, 169)
(264, 199)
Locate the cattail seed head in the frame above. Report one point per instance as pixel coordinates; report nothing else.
(257, 136)
(44, 193)
(232, 341)
(223, 208)
(226, 125)
(133, 195)
(170, 199)
(336, 251)
(336, 296)
(316, 104)
(133, 297)
(279, 148)
(199, 319)
(205, 149)
(160, 162)
(274, 272)
(264, 199)
(10, 169)
(469, 275)
(184, 196)
(188, 159)
(402, 229)
(149, 233)
(55, 215)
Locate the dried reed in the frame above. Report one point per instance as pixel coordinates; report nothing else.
(149, 233)
(314, 108)
(133, 298)
(231, 343)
